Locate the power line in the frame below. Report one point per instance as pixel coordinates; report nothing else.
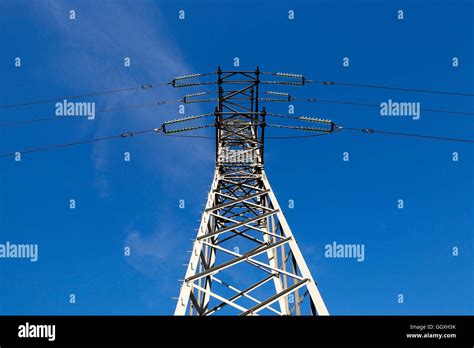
(45, 119)
(34, 120)
(332, 83)
(124, 135)
(298, 136)
(188, 136)
(298, 118)
(57, 146)
(159, 130)
(370, 131)
(116, 136)
(347, 102)
(302, 128)
(266, 137)
(423, 136)
(187, 100)
(365, 130)
(41, 101)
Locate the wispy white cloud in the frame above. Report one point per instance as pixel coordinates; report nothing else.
(93, 49)
(151, 253)
(159, 256)
(90, 58)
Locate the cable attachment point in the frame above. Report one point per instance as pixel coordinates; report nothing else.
(126, 135)
(368, 130)
(147, 86)
(328, 83)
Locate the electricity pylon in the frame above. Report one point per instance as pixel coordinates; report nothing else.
(245, 259)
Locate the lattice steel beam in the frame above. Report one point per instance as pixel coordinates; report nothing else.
(244, 240)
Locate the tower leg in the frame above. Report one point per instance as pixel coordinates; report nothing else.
(244, 210)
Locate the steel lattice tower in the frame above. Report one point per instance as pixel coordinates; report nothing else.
(245, 259)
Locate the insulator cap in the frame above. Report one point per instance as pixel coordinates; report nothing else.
(278, 93)
(273, 100)
(315, 120)
(190, 76)
(185, 84)
(188, 118)
(194, 101)
(185, 129)
(289, 75)
(286, 83)
(195, 94)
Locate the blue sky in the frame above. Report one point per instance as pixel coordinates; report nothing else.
(407, 251)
